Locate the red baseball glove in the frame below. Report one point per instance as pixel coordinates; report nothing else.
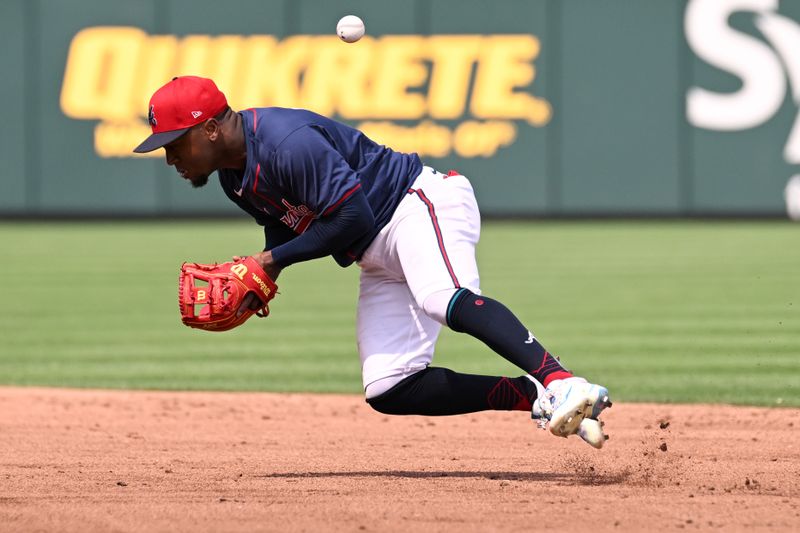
(211, 296)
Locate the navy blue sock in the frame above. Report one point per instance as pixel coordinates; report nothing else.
(493, 323)
(440, 391)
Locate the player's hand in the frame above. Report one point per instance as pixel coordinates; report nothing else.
(265, 260)
(251, 301)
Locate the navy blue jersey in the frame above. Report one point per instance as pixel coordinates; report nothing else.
(302, 166)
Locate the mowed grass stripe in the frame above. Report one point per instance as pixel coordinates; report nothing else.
(658, 311)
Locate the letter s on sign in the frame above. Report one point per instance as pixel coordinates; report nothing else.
(763, 82)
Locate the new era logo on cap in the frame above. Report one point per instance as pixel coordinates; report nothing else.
(180, 104)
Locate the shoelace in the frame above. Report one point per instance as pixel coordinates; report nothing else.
(546, 406)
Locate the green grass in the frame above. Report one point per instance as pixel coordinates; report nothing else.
(658, 311)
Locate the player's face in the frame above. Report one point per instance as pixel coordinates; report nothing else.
(192, 156)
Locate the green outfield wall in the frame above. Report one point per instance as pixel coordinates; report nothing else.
(551, 107)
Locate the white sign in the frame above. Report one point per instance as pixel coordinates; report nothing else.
(764, 68)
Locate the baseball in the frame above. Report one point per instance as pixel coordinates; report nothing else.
(350, 28)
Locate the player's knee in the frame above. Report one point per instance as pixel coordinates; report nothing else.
(399, 399)
(396, 402)
(383, 405)
(443, 306)
(390, 403)
(436, 304)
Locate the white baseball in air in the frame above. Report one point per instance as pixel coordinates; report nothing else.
(350, 28)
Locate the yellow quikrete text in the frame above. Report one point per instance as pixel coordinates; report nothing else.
(112, 71)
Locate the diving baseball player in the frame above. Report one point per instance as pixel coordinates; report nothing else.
(320, 188)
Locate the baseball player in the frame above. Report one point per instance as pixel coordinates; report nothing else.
(321, 188)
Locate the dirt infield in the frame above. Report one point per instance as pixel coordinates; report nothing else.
(154, 461)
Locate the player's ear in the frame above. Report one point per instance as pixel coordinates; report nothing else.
(212, 127)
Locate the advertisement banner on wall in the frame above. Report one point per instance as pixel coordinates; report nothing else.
(396, 88)
(766, 63)
(566, 108)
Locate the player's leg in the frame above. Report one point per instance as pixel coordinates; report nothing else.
(493, 323)
(438, 391)
(396, 341)
(436, 246)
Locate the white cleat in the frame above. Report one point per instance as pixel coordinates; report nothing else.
(591, 431)
(567, 402)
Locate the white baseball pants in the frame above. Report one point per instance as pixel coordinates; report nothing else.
(428, 248)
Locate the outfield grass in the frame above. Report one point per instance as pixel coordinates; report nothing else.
(658, 311)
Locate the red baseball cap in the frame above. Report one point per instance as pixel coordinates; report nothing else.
(177, 106)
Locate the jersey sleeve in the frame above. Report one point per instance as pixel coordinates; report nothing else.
(329, 234)
(276, 234)
(308, 164)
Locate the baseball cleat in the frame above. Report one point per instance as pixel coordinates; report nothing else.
(567, 402)
(591, 431)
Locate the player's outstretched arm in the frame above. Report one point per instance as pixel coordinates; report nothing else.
(328, 234)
